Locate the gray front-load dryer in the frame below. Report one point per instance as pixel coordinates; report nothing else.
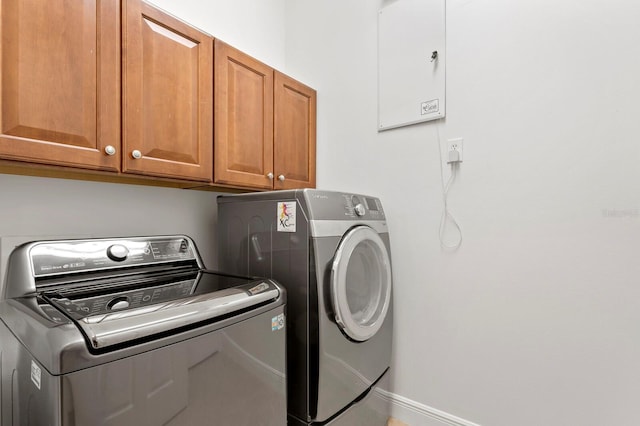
(330, 250)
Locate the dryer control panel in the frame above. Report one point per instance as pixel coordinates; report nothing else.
(326, 205)
(360, 206)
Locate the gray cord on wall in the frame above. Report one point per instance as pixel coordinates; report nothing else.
(446, 214)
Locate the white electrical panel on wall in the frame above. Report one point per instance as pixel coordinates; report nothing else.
(411, 62)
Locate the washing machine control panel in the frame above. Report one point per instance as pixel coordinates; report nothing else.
(75, 256)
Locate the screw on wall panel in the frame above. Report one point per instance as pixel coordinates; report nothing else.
(434, 55)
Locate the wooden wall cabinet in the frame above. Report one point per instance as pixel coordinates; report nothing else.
(60, 88)
(264, 124)
(243, 117)
(65, 63)
(294, 137)
(60, 82)
(167, 95)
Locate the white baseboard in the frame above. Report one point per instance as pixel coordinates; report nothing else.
(416, 414)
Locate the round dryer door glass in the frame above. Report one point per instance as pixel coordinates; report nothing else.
(361, 283)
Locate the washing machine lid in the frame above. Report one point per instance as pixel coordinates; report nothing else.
(361, 283)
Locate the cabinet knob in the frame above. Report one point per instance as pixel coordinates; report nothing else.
(136, 154)
(270, 176)
(109, 150)
(281, 178)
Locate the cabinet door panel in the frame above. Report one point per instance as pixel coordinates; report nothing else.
(168, 95)
(294, 133)
(244, 119)
(60, 72)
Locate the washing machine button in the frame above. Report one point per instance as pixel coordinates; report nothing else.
(117, 252)
(118, 303)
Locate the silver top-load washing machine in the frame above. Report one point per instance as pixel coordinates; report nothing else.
(134, 331)
(331, 251)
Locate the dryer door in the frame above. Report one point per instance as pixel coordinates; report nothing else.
(361, 283)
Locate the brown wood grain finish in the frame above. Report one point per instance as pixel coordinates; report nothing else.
(294, 133)
(168, 95)
(60, 82)
(243, 98)
(61, 104)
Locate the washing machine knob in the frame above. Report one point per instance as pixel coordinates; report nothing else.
(117, 252)
(359, 209)
(117, 303)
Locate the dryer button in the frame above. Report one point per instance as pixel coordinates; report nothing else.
(359, 209)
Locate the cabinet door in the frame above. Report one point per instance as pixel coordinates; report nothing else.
(294, 134)
(244, 119)
(60, 82)
(168, 95)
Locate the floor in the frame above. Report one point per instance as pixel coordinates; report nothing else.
(395, 422)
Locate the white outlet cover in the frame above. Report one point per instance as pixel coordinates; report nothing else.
(456, 144)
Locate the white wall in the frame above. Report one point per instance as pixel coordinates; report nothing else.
(256, 27)
(534, 320)
(33, 208)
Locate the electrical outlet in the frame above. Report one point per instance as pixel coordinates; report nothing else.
(455, 145)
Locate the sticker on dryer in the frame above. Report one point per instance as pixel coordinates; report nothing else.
(287, 216)
(277, 322)
(36, 374)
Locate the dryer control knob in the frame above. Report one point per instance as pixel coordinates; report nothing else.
(359, 209)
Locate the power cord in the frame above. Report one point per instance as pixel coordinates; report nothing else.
(454, 160)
